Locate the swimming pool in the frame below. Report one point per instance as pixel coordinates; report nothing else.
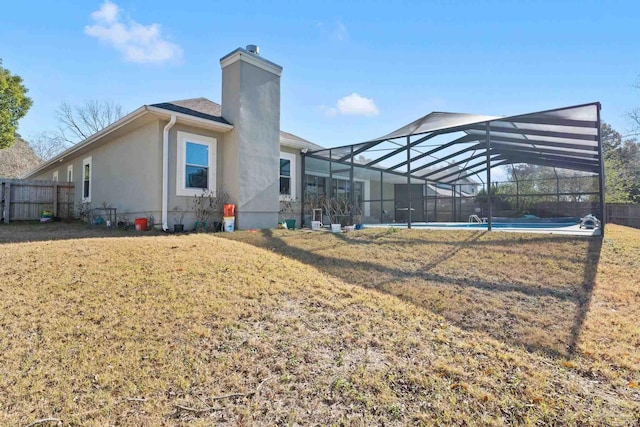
(493, 225)
(565, 227)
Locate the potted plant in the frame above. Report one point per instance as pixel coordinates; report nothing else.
(87, 213)
(349, 217)
(123, 222)
(356, 213)
(217, 209)
(333, 209)
(178, 219)
(289, 210)
(202, 206)
(313, 206)
(150, 220)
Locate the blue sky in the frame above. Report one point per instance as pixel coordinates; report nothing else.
(400, 59)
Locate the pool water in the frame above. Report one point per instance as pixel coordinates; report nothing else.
(494, 225)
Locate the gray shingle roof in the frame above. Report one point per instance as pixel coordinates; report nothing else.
(197, 107)
(206, 109)
(293, 141)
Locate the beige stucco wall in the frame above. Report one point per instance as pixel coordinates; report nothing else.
(186, 202)
(298, 179)
(251, 101)
(126, 172)
(230, 150)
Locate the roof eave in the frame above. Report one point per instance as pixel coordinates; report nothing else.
(145, 109)
(295, 144)
(93, 138)
(193, 120)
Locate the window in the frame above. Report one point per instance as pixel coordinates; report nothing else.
(86, 180)
(70, 173)
(315, 185)
(195, 171)
(55, 176)
(287, 176)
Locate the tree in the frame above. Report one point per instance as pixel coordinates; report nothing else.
(14, 104)
(18, 159)
(634, 115)
(619, 182)
(76, 123)
(47, 145)
(622, 166)
(80, 122)
(611, 139)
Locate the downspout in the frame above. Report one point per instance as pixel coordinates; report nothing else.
(165, 171)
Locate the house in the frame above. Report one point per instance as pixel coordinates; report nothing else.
(153, 161)
(161, 155)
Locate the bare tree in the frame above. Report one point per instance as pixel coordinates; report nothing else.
(634, 115)
(47, 145)
(76, 123)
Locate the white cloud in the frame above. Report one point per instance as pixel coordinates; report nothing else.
(107, 13)
(352, 105)
(340, 31)
(336, 31)
(137, 42)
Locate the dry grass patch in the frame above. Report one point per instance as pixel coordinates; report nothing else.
(540, 291)
(125, 330)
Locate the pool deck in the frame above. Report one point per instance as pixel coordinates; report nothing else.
(570, 230)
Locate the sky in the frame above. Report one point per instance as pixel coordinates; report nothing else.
(353, 71)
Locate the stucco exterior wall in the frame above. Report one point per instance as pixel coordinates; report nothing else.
(230, 111)
(298, 179)
(186, 202)
(251, 101)
(125, 172)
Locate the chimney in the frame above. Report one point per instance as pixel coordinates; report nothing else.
(251, 151)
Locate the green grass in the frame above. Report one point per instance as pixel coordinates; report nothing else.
(367, 328)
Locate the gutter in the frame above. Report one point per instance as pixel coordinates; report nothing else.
(145, 109)
(191, 120)
(165, 171)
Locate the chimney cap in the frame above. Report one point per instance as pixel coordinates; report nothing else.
(252, 48)
(241, 54)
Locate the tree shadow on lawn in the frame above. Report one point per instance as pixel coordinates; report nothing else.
(34, 231)
(521, 295)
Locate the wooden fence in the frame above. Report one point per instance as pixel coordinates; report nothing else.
(25, 200)
(624, 214)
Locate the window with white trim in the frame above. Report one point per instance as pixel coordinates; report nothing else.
(70, 173)
(287, 176)
(196, 168)
(86, 180)
(55, 176)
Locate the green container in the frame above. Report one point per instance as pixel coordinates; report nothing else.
(291, 224)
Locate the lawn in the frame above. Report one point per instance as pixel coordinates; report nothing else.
(277, 327)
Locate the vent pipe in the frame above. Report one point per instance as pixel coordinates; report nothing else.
(252, 48)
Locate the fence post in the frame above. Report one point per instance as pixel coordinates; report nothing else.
(7, 202)
(55, 199)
